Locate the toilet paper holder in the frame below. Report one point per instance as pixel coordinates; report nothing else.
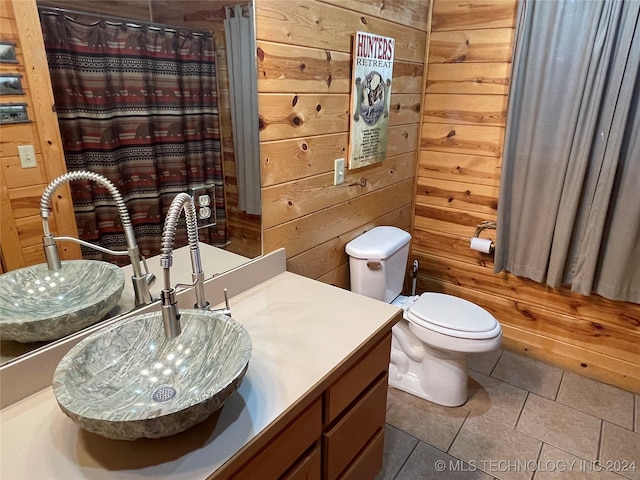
(481, 244)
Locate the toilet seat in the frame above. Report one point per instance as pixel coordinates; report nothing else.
(452, 316)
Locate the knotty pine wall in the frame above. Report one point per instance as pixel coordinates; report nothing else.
(304, 84)
(21, 188)
(458, 181)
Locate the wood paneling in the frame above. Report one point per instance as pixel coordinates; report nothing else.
(287, 201)
(470, 46)
(319, 25)
(462, 138)
(300, 69)
(291, 115)
(466, 109)
(21, 237)
(412, 13)
(464, 115)
(310, 231)
(469, 78)
(328, 261)
(464, 168)
(304, 85)
(473, 14)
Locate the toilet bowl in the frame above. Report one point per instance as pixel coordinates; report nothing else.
(430, 345)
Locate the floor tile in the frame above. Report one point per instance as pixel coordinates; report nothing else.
(494, 399)
(556, 464)
(637, 413)
(431, 423)
(398, 445)
(390, 399)
(564, 427)
(599, 399)
(528, 373)
(495, 448)
(429, 462)
(483, 362)
(620, 451)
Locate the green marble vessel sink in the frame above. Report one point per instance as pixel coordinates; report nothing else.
(37, 304)
(129, 381)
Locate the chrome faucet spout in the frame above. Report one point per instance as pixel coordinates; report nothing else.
(170, 315)
(141, 280)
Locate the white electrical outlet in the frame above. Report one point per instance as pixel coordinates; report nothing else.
(27, 156)
(204, 201)
(338, 173)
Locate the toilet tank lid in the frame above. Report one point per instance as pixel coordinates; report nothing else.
(378, 243)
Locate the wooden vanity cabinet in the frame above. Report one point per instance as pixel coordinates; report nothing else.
(354, 413)
(338, 433)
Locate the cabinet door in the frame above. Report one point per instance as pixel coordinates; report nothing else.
(369, 462)
(339, 395)
(278, 456)
(343, 442)
(308, 467)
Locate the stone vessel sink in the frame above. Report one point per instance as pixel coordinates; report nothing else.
(129, 381)
(38, 304)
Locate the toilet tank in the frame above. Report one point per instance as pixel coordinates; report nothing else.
(378, 261)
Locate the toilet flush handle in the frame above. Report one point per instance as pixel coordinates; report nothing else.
(374, 265)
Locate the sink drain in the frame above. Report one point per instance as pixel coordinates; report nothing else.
(164, 393)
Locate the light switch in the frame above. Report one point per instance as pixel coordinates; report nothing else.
(27, 156)
(338, 174)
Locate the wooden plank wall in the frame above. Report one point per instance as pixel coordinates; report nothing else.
(21, 188)
(458, 180)
(304, 78)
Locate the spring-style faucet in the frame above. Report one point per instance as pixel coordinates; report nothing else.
(141, 281)
(170, 316)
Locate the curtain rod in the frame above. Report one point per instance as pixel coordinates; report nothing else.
(130, 22)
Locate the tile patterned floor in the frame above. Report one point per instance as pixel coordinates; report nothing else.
(524, 420)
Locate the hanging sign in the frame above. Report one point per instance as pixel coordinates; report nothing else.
(370, 98)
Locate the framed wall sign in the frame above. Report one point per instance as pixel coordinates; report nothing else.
(370, 98)
(8, 52)
(11, 84)
(13, 113)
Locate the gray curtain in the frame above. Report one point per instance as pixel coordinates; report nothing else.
(569, 207)
(243, 89)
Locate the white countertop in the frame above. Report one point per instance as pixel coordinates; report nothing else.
(301, 331)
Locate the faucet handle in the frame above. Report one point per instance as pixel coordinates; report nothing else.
(227, 309)
(150, 277)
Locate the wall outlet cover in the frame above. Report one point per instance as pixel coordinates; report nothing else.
(204, 199)
(338, 173)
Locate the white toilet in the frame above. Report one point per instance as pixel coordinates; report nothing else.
(429, 347)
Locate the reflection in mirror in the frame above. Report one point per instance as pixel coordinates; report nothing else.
(148, 150)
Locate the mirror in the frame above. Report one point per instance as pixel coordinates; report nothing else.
(244, 229)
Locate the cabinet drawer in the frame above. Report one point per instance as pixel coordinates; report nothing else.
(308, 468)
(276, 458)
(342, 443)
(351, 384)
(369, 462)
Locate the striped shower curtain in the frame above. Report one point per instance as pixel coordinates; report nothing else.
(138, 104)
